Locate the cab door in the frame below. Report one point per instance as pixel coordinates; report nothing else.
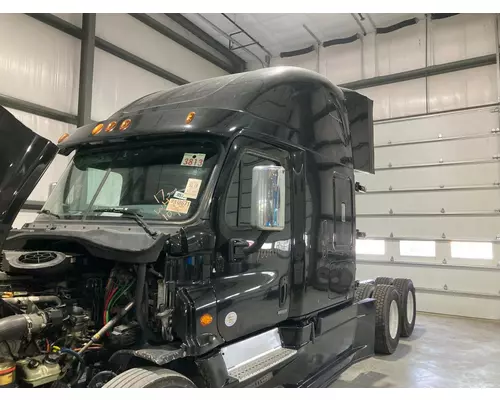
(24, 157)
(252, 290)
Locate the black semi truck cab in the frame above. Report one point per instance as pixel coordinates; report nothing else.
(200, 236)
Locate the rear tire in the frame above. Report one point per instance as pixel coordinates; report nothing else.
(382, 280)
(364, 291)
(150, 377)
(408, 302)
(387, 320)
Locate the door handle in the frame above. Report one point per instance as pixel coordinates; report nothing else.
(283, 296)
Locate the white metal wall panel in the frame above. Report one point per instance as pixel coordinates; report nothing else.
(485, 281)
(342, 63)
(446, 302)
(460, 150)
(427, 202)
(38, 63)
(401, 50)
(397, 99)
(467, 88)
(462, 36)
(470, 122)
(473, 227)
(118, 83)
(139, 39)
(461, 175)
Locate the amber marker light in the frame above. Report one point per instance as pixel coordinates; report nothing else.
(97, 129)
(190, 117)
(111, 126)
(125, 124)
(63, 138)
(206, 319)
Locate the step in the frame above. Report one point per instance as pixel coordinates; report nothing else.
(261, 363)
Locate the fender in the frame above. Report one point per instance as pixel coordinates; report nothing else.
(159, 355)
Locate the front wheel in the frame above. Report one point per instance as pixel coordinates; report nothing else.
(150, 377)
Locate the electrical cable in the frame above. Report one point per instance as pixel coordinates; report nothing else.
(81, 365)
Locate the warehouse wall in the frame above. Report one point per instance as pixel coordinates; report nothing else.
(40, 64)
(431, 212)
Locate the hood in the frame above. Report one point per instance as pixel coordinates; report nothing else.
(24, 157)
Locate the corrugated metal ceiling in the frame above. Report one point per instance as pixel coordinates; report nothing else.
(286, 32)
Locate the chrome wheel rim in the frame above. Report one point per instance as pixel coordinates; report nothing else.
(393, 319)
(410, 307)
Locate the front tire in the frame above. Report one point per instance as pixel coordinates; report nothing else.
(387, 319)
(150, 377)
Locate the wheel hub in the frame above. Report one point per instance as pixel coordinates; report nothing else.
(393, 319)
(410, 307)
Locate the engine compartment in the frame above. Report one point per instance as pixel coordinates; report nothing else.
(63, 314)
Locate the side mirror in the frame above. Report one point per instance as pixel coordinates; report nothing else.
(268, 198)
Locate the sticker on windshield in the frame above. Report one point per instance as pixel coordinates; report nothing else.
(192, 188)
(179, 195)
(193, 159)
(160, 197)
(178, 206)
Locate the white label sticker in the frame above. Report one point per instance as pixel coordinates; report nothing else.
(178, 206)
(193, 159)
(192, 188)
(179, 195)
(231, 319)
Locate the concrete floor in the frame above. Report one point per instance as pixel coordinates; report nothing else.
(443, 352)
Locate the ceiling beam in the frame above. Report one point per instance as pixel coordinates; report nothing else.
(172, 35)
(238, 63)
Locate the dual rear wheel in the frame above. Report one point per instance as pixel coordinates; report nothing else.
(395, 312)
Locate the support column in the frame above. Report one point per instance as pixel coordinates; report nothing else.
(86, 68)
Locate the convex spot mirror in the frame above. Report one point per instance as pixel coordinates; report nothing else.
(268, 198)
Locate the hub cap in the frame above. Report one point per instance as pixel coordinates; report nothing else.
(410, 307)
(393, 319)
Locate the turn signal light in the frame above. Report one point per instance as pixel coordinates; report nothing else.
(125, 124)
(97, 129)
(111, 126)
(190, 117)
(206, 319)
(63, 138)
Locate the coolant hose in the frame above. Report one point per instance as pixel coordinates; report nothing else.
(34, 299)
(13, 327)
(139, 302)
(18, 326)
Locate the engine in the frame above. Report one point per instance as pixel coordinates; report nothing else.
(62, 316)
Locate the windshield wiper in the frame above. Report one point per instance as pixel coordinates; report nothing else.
(129, 213)
(48, 212)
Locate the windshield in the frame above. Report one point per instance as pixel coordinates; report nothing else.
(161, 181)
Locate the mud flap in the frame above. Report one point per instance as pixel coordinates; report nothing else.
(364, 338)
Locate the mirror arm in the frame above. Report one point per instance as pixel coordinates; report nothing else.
(258, 243)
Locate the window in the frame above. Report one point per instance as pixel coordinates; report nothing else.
(417, 248)
(472, 250)
(370, 246)
(150, 179)
(239, 198)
